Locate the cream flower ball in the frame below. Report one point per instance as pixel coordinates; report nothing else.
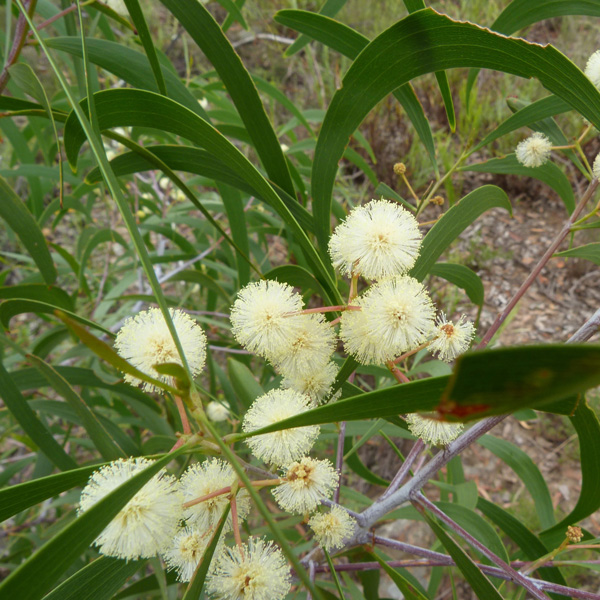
(258, 571)
(186, 551)
(332, 528)
(396, 315)
(534, 151)
(279, 448)
(379, 239)
(451, 339)
(146, 524)
(145, 341)
(260, 317)
(306, 483)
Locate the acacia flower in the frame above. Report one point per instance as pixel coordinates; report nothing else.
(534, 151)
(201, 479)
(332, 528)
(379, 239)
(186, 551)
(145, 341)
(260, 317)
(259, 571)
(452, 338)
(314, 384)
(279, 448)
(592, 68)
(146, 524)
(396, 315)
(309, 349)
(432, 431)
(216, 411)
(306, 483)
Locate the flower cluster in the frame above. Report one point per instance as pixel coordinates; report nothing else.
(159, 518)
(534, 151)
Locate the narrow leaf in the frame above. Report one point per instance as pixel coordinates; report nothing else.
(463, 277)
(33, 427)
(589, 252)
(22, 223)
(454, 222)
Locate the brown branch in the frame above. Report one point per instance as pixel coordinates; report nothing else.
(21, 30)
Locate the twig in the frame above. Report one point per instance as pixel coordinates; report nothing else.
(18, 42)
(562, 234)
(404, 469)
(263, 36)
(523, 580)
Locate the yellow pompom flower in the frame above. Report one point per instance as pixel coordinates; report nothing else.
(377, 240)
(306, 483)
(451, 339)
(186, 551)
(309, 349)
(332, 528)
(396, 316)
(260, 317)
(279, 448)
(258, 571)
(315, 384)
(145, 341)
(534, 151)
(146, 524)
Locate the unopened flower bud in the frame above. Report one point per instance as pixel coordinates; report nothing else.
(574, 534)
(399, 168)
(437, 200)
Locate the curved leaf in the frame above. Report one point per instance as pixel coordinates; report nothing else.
(206, 32)
(20, 220)
(33, 427)
(480, 584)
(522, 13)
(200, 162)
(104, 235)
(350, 43)
(97, 581)
(454, 222)
(145, 109)
(395, 57)
(463, 277)
(129, 65)
(587, 426)
(93, 427)
(17, 306)
(529, 474)
(50, 294)
(536, 111)
(549, 173)
(19, 497)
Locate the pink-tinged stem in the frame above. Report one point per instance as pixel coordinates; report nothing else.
(57, 16)
(236, 525)
(420, 502)
(563, 233)
(447, 561)
(227, 490)
(339, 460)
(397, 373)
(18, 42)
(183, 415)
